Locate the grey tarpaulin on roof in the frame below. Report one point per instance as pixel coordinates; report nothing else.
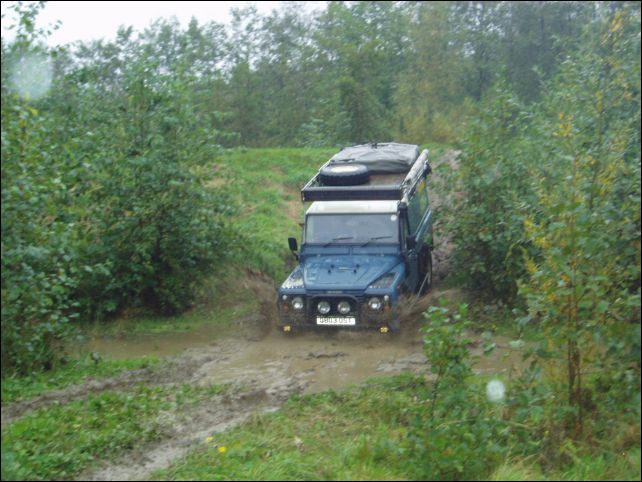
(384, 157)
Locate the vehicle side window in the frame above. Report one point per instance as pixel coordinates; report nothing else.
(417, 207)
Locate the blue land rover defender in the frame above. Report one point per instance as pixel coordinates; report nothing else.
(367, 239)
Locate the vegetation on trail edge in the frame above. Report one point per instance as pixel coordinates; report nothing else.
(375, 433)
(59, 441)
(74, 372)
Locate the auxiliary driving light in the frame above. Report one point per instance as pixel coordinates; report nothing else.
(323, 307)
(297, 303)
(374, 304)
(344, 307)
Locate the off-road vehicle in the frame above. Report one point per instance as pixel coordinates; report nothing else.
(367, 238)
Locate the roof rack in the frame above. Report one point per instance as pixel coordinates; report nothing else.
(314, 190)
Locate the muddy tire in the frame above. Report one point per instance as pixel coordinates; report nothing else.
(344, 175)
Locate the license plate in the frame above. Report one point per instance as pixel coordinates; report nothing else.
(337, 320)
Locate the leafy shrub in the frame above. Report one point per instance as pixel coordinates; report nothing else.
(103, 200)
(487, 216)
(461, 434)
(584, 284)
(549, 216)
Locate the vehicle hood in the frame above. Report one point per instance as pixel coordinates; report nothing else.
(346, 272)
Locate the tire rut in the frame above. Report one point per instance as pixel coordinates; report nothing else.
(191, 429)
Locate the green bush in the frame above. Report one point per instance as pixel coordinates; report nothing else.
(462, 433)
(496, 193)
(103, 198)
(584, 284)
(549, 218)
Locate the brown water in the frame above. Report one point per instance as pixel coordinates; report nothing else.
(158, 344)
(316, 360)
(319, 361)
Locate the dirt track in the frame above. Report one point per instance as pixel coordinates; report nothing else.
(269, 370)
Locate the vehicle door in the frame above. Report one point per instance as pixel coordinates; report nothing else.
(419, 235)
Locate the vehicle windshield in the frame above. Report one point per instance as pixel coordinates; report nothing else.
(351, 228)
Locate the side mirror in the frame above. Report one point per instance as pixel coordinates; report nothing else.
(293, 247)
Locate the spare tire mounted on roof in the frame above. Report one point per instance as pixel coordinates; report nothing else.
(344, 174)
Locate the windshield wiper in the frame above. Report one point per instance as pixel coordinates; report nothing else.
(338, 238)
(374, 238)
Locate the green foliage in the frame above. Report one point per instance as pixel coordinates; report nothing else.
(75, 372)
(516, 155)
(103, 197)
(558, 229)
(496, 195)
(461, 435)
(446, 348)
(584, 285)
(37, 276)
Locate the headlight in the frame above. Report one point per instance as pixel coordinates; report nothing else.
(344, 307)
(295, 280)
(374, 304)
(323, 307)
(384, 282)
(297, 303)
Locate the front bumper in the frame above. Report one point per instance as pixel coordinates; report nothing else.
(365, 318)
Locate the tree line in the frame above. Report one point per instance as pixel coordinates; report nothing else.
(352, 72)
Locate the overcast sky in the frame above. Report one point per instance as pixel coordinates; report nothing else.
(94, 20)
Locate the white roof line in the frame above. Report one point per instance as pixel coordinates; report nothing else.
(353, 207)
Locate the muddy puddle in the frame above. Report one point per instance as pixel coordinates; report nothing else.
(315, 361)
(319, 361)
(161, 344)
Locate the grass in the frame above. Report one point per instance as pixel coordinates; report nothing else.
(229, 306)
(370, 433)
(266, 183)
(328, 436)
(75, 372)
(365, 433)
(622, 466)
(58, 442)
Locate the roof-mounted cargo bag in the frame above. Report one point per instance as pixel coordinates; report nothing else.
(394, 170)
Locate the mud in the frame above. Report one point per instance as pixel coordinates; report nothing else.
(318, 360)
(157, 344)
(439, 197)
